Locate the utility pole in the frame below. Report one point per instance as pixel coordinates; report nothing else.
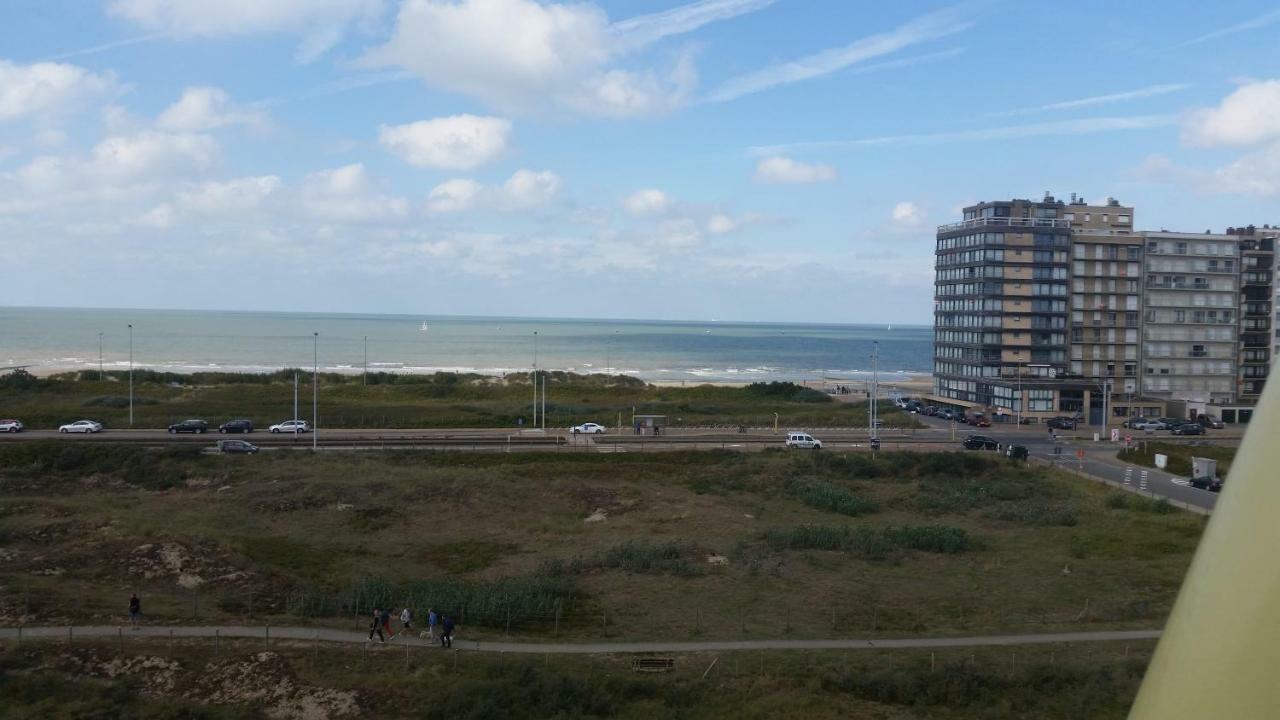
(535, 378)
(364, 377)
(873, 431)
(1018, 412)
(131, 375)
(315, 391)
(295, 395)
(101, 375)
(544, 401)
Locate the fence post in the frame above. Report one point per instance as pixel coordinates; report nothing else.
(604, 622)
(120, 640)
(508, 620)
(19, 634)
(557, 629)
(250, 604)
(69, 636)
(170, 640)
(217, 637)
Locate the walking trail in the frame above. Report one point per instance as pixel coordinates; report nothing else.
(341, 636)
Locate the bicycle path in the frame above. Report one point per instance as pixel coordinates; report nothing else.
(585, 648)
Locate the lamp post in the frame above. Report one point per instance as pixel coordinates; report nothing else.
(101, 376)
(130, 375)
(535, 378)
(1018, 411)
(315, 390)
(364, 376)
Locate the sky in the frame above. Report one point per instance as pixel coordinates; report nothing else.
(766, 160)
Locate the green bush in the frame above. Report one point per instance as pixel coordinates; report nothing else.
(1128, 501)
(869, 543)
(825, 496)
(633, 556)
(1036, 513)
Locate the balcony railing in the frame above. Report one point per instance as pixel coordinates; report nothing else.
(1006, 222)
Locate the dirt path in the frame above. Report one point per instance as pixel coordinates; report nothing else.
(340, 636)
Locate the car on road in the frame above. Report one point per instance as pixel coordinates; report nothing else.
(1134, 422)
(191, 426)
(234, 447)
(1173, 422)
(1062, 423)
(930, 410)
(236, 426)
(12, 426)
(1205, 483)
(1017, 452)
(980, 442)
(1188, 429)
(946, 414)
(803, 440)
(1151, 425)
(980, 420)
(291, 426)
(1209, 421)
(81, 426)
(587, 429)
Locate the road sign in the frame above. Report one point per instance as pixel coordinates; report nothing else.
(1115, 435)
(1080, 454)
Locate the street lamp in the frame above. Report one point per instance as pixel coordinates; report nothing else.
(101, 377)
(535, 378)
(130, 375)
(364, 377)
(315, 390)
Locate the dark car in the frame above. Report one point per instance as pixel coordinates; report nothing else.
(236, 426)
(191, 426)
(945, 414)
(1017, 452)
(979, 420)
(230, 447)
(1188, 429)
(980, 442)
(1204, 483)
(1062, 423)
(1172, 422)
(931, 410)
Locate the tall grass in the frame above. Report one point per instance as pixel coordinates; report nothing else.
(487, 603)
(633, 556)
(825, 496)
(870, 543)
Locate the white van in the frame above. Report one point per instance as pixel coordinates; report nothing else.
(803, 440)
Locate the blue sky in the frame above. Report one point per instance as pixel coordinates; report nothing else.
(781, 160)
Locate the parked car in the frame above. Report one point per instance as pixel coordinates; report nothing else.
(931, 410)
(1209, 421)
(236, 426)
(1188, 429)
(1017, 452)
(1062, 423)
(946, 414)
(81, 426)
(11, 426)
(191, 426)
(587, 429)
(1134, 422)
(980, 442)
(1172, 422)
(291, 426)
(803, 440)
(1204, 483)
(1151, 425)
(980, 420)
(232, 447)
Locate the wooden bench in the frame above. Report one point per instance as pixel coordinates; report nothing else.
(652, 664)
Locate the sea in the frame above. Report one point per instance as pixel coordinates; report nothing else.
(50, 340)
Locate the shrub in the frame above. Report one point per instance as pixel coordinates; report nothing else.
(1036, 513)
(1127, 501)
(825, 496)
(869, 543)
(633, 556)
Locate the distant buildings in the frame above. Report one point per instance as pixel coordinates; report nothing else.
(1047, 308)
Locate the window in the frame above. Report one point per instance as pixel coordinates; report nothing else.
(1122, 219)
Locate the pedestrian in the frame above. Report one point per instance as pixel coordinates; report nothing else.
(446, 631)
(406, 620)
(432, 620)
(386, 623)
(135, 611)
(376, 626)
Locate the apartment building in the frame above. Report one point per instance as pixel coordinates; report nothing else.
(1000, 307)
(1190, 327)
(1106, 303)
(1257, 308)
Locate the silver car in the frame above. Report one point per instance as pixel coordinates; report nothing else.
(12, 426)
(81, 426)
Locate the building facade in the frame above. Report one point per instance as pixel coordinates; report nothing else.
(1190, 329)
(1257, 308)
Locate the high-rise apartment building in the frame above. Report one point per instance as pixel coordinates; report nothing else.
(1257, 308)
(1106, 297)
(1000, 303)
(1191, 318)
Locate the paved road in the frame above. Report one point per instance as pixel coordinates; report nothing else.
(340, 636)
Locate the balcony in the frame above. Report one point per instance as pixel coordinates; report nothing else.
(1005, 222)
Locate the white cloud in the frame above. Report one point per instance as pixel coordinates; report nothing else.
(720, 224)
(1248, 116)
(1146, 92)
(1255, 174)
(153, 154)
(926, 27)
(207, 108)
(348, 195)
(46, 87)
(1260, 21)
(524, 190)
(459, 142)
(907, 214)
(452, 196)
(647, 202)
(320, 23)
(528, 56)
(160, 217)
(783, 170)
(237, 195)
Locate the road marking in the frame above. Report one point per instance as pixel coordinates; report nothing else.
(1180, 482)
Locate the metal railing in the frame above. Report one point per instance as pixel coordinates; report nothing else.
(1006, 222)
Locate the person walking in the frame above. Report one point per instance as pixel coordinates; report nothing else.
(446, 631)
(386, 623)
(376, 626)
(406, 621)
(135, 611)
(432, 620)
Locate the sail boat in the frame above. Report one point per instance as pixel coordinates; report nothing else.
(424, 327)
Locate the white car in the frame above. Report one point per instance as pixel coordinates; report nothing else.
(291, 426)
(11, 426)
(81, 426)
(803, 440)
(587, 429)
(1151, 425)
